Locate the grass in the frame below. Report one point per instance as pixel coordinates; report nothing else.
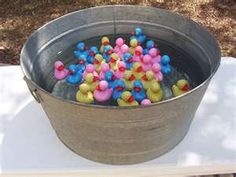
(19, 18)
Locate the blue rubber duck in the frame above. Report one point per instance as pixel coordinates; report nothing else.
(118, 89)
(82, 62)
(92, 52)
(110, 78)
(149, 44)
(138, 91)
(138, 34)
(165, 64)
(75, 75)
(128, 59)
(80, 50)
(107, 51)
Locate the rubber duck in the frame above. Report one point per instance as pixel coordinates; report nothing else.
(128, 78)
(181, 87)
(133, 44)
(98, 60)
(117, 48)
(128, 59)
(92, 81)
(147, 79)
(127, 99)
(90, 69)
(75, 75)
(156, 68)
(138, 91)
(165, 66)
(104, 68)
(81, 62)
(155, 54)
(138, 70)
(84, 95)
(60, 72)
(124, 49)
(149, 44)
(92, 52)
(108, 50)
(138, 34)
(102, 93)
(147, 62)
(146, 102)
(113, 61)
(121, 69)
(105, 41)
(110, 78)
(138, 54)
(80, 50)
(155, 93)
(118, 89)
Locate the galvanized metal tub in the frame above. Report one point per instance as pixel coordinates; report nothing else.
(110, 134)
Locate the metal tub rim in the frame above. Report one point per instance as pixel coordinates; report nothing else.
(36, 87)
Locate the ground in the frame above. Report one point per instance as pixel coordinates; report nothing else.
(19, 18)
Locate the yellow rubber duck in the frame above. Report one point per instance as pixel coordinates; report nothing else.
(113, 62)
(133, 44)
(129, 79)
(105, 41)
(147, 79)
(155, 93)
(84, 95)
(91, 81)
(181, 87)
(98, 61)
(127, 99)
(138, 70)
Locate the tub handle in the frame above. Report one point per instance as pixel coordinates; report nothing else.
(32, 89)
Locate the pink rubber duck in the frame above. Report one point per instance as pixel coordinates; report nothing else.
(156, 68)
(145, 102)
(138, 54)
(119, 43)
(147, 62)
(90, 69)
(124, 49)
(121, 70)
(60, 72)
(102, 93)
(155, 54)
(104, 68)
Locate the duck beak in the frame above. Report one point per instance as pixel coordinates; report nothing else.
(109, 52)
(185, 87)
(60, 68)
(132, 77)
(96, 61)
(122, 69)
(106, 43)
(119, 88)
(71, 72)
(112, 60)
(138, 53)
(98, 88)
(145, 77)
(91, 53)
(81, 62)
(130, 60)
(95, 78)
(137, 89)
(131, 99)
(139, 69)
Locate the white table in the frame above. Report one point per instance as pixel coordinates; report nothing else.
(28, 144)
